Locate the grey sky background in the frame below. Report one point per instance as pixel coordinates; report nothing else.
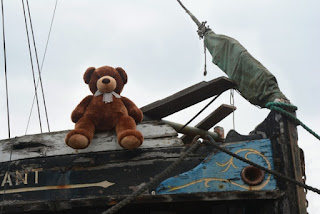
(156, 43)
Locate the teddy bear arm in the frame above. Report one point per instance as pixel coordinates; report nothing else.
(133, 110)
(78, 112)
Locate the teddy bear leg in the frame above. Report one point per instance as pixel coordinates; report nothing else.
(128, 136)
(80, 137)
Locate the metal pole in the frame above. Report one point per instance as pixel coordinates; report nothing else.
(191, 131)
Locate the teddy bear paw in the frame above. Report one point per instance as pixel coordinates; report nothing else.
(78, 141)
(130, 142)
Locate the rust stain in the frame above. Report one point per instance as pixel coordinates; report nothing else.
(112, 203)
(63, 187)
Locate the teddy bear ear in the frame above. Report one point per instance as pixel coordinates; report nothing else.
(123, 75)
(87, 74)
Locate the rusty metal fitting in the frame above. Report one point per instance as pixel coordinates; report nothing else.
(252, 175)
(220, 131)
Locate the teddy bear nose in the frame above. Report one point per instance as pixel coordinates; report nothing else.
(105, 81)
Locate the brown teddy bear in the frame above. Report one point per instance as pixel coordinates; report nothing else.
(105, 110)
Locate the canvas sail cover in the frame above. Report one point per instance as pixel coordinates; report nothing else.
(255, 82)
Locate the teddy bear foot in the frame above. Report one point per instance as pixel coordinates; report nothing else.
(130, 142)
(78, 141)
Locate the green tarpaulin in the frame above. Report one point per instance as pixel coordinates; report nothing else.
(255, 82)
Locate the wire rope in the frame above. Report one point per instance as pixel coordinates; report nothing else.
(206, 106)
(43, 59)
(5, 68)
(39, 73)
(30, 54)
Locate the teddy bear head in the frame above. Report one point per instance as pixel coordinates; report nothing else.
(105, 79)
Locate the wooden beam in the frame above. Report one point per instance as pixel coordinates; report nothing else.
(212, 119)
(187, 97)
(300, 200)
(156, 134)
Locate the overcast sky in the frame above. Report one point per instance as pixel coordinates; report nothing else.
(156, 43)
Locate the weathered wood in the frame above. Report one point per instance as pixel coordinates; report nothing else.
(297, 168)
(106, 174)
(215, 117)
(219, 172)
(156, 135)
(286, 161)
(187, 97)
(212, 119)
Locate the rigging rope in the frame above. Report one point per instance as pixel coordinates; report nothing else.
(30, 54)
(202, 29)
(205, 59)
(199, 112)
(7, 98)
(43, 59)
(5, 68)
(281, 108)
(196, 21)
(39, 73)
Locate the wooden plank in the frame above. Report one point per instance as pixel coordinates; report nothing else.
(212, 119)
(216, 116)
(156, 134)
(187, 97)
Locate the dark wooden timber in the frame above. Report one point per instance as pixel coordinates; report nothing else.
(212, 119)
(297, 166)
(283, 135)
(187, 97)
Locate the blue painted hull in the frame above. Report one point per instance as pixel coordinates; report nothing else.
(221, 172)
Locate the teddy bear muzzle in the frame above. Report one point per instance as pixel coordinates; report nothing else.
(106, 84)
